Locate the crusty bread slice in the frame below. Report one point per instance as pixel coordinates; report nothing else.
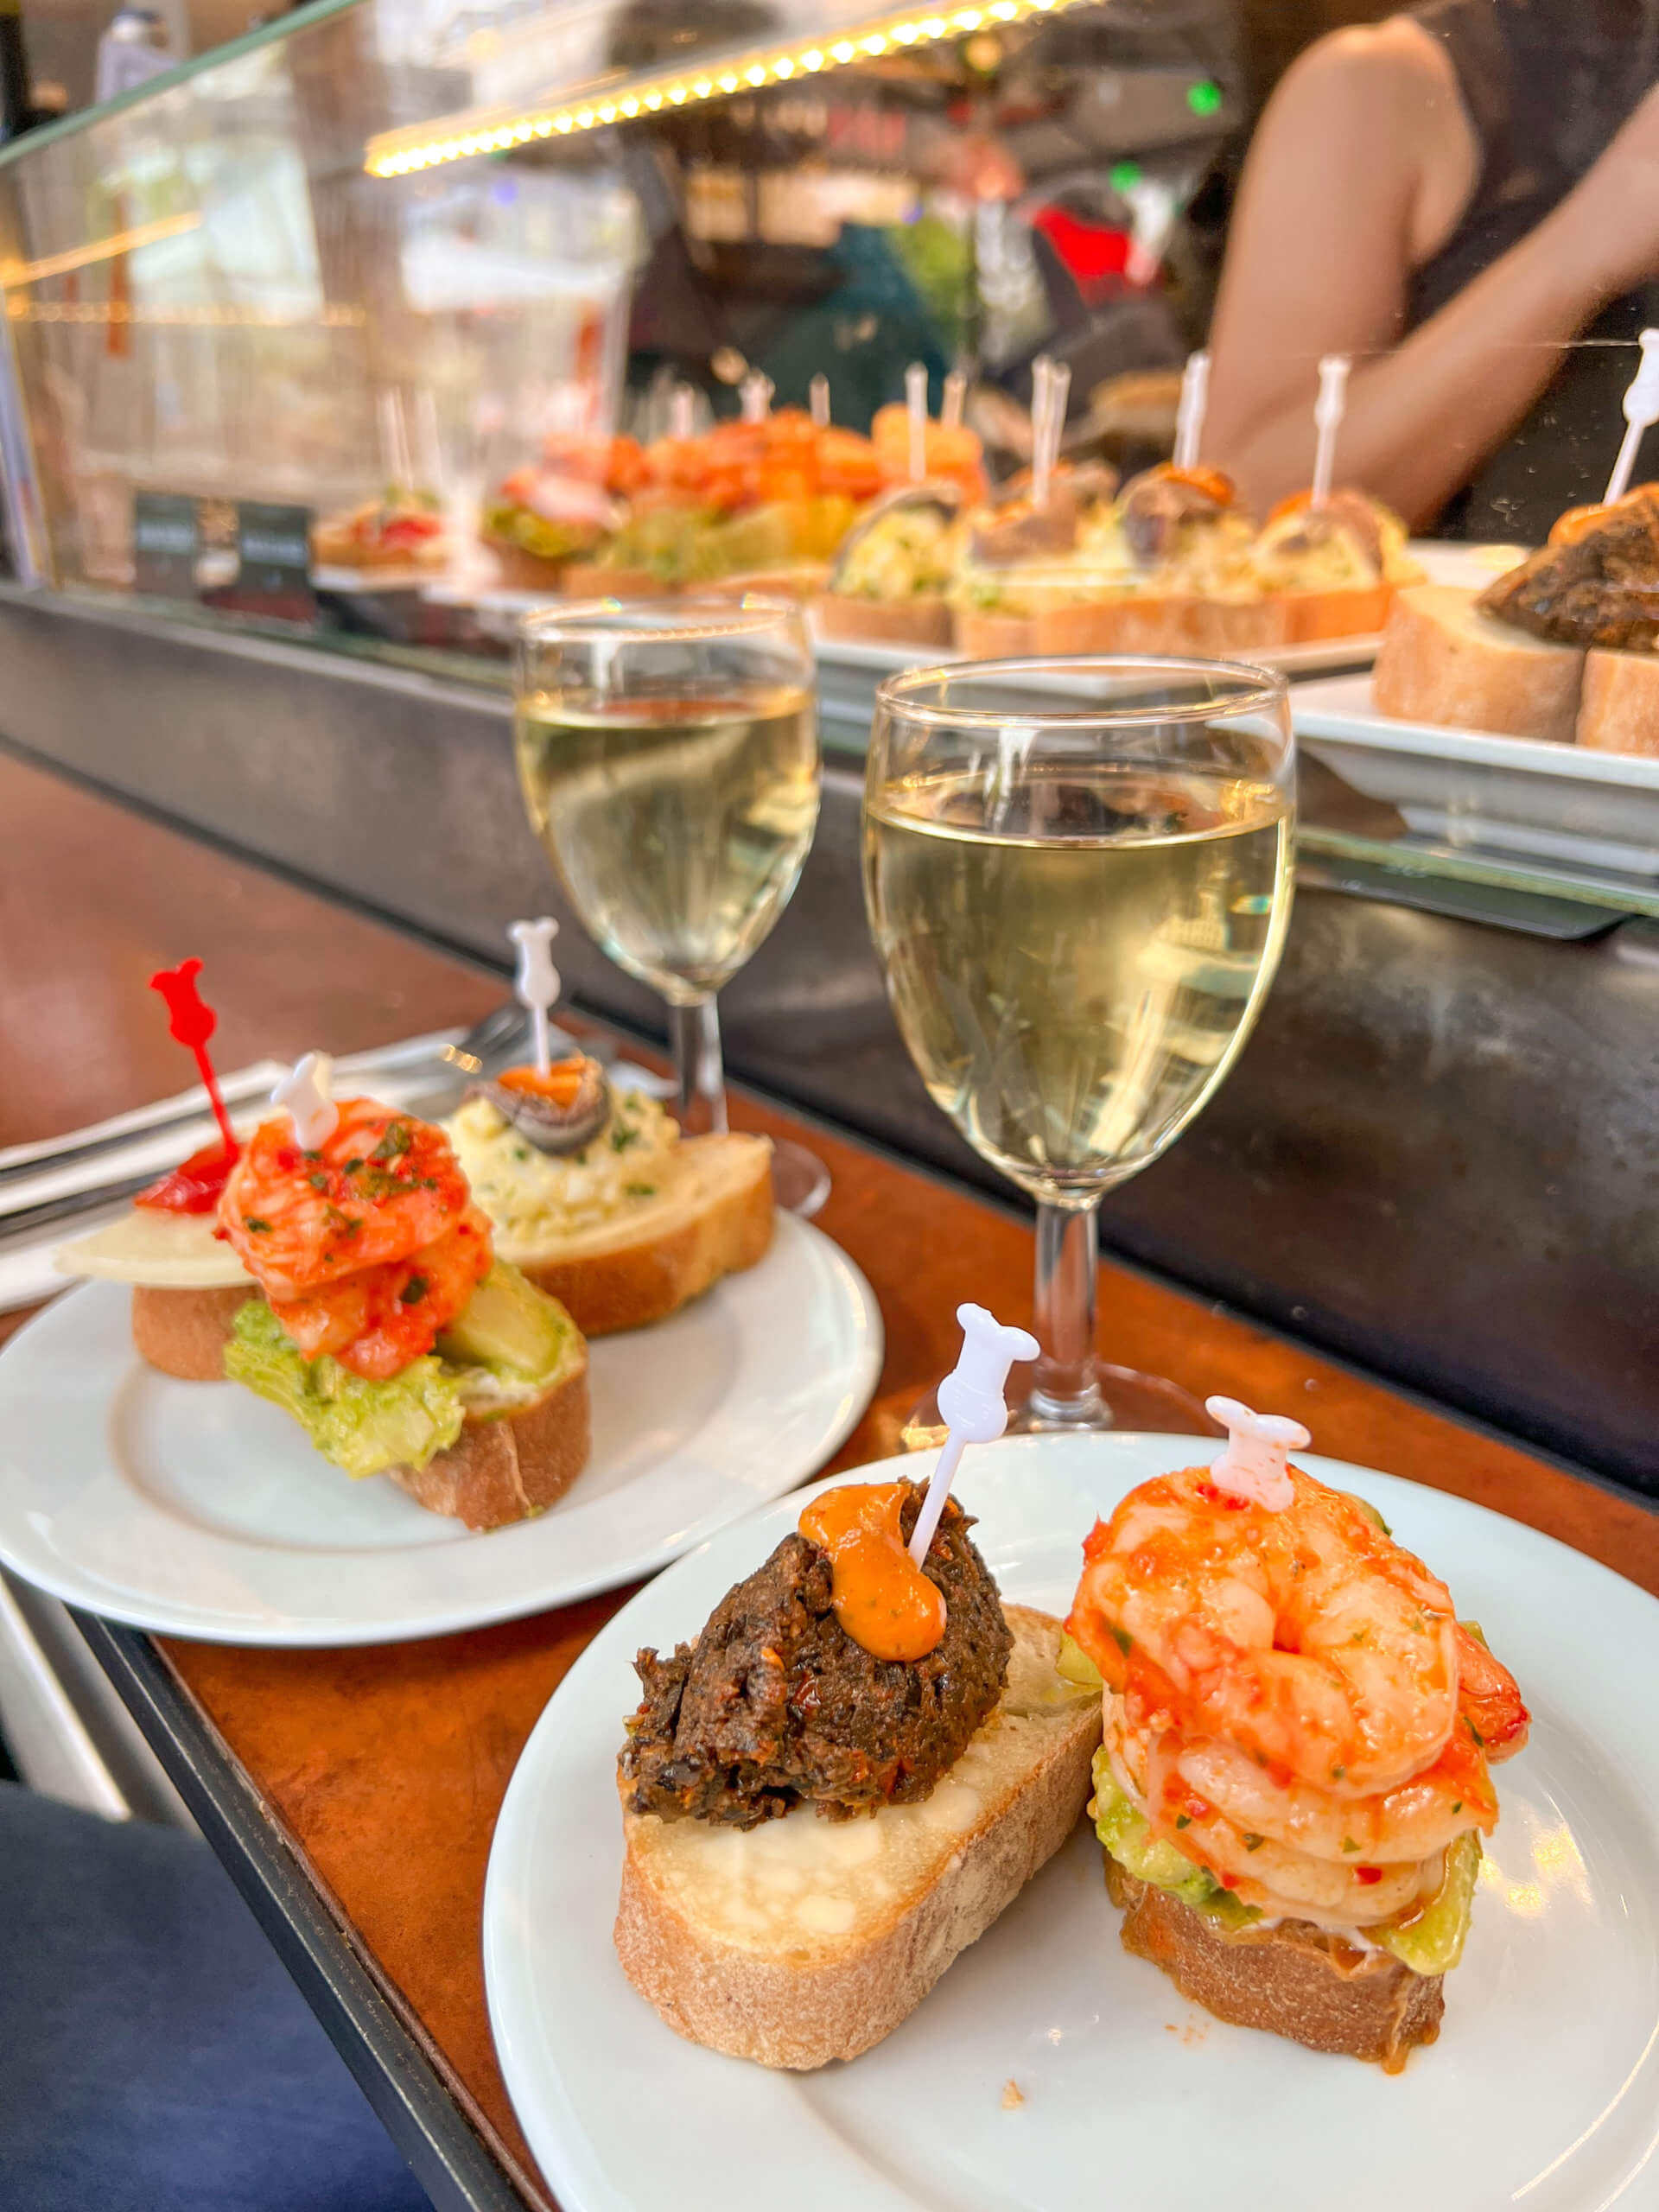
(507, 1466)
(1356, 612)
(924, 620)
(593, 580)
(1294, 1980)
(1443, 661)
(184, 1332)
(712, 1217)
(806, 1940)
(1160, 622)
(983, 633)
(1619, 708)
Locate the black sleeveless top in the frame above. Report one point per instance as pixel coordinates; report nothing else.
(1547, 84)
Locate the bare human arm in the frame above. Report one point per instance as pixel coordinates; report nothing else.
(1360, 171)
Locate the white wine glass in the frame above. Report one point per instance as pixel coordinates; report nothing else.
(1078, 879)
(668, 753)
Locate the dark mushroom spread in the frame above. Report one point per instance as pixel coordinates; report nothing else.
(776, 1705)
(1599, 586)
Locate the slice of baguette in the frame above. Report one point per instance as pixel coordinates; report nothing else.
(1356, 612)
(712, 1217)
(982, 633)
(1443, 661)
(507, 1466)
(1292, 1980)
(920, 621)
(1619, 709)
(806, 1940)
(184, 1332)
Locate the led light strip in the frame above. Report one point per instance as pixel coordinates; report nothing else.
(82, 256)
(403, 152)
(191, 317)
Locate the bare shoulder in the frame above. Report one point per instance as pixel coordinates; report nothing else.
(1384, 97)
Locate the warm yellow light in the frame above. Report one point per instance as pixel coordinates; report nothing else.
(389, 157)
(80, 256)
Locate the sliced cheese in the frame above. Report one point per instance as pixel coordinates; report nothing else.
(164, 1251)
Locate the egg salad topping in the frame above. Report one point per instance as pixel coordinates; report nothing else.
(534, 1198)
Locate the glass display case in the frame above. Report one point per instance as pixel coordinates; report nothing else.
(394, 319)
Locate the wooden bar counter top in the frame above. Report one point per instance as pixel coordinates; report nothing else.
(386, 1766)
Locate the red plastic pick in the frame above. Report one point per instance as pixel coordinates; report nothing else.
(192, 1022)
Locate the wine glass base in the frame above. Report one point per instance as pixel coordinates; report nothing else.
(800, 1182)
(1123, 1398)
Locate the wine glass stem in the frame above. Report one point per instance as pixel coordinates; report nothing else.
(1064, 1389)
(695, 1033)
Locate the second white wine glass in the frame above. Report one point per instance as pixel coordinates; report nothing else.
(668, 753)
(1078, 879)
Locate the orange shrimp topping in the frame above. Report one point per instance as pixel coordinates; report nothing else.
(367, 1247)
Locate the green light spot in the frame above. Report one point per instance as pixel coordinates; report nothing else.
(1204, 97)
(1125, 175)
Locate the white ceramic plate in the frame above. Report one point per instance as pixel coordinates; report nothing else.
(1543, 2089)
(197, 1509)
(1469, 787)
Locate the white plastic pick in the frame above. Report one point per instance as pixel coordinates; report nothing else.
(682, 412)
(971, 1399)
(818, 398)
(1252, 1465)
(916, 407)
(303, 1096)
(1042, 401)
(1641, 409)
(536, 986)
(956, 399)
(1328, 411)
(754, 396)
(1189, 415)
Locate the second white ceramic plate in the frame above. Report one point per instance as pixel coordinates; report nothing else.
(1471, 787)
(197, 1509)
(1542, 2091)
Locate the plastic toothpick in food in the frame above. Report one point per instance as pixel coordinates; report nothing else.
(1641, 408)
(916, 407)
(1042, 399)
(1189, 415)
(970, 1399)
(681, 413)
(536, 986)
(954, 399)
(1328, 411)
(818, 398)
(191, 1021)
(1252, 1465)
(754, 396)
(303, 1096)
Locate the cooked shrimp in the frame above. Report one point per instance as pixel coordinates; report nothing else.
(1489, 1699)
(1305, 1637)
(382, 1188)
(1259, 1868)
(376, 1321)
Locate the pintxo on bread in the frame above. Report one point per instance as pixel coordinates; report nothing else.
(1294, 1777)
(1564, 647)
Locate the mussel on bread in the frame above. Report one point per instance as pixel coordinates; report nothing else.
(560, 1112)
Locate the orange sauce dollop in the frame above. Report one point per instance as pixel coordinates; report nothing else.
(559, 1086)
(881, 1596)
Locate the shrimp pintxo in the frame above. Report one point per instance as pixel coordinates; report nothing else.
(1298, 1729)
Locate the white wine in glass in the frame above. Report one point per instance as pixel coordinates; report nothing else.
(669, 760)
(1078, 876)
